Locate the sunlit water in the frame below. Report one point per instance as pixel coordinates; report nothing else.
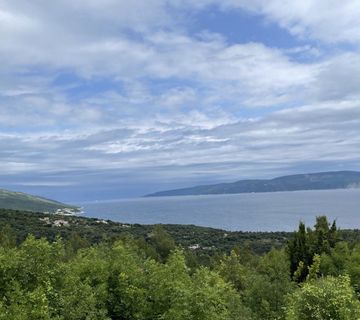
(275, 211)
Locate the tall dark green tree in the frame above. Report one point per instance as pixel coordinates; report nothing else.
(307, 243)
(299, 252)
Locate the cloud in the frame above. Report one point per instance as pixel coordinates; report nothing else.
(328, 21)
(174, 71)
(95, 90)
(339, 78)
(288, 136)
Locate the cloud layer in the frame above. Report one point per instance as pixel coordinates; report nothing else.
(128, 94)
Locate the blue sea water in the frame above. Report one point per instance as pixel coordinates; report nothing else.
(275, 211)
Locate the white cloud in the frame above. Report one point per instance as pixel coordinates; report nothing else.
(330, 21)
(171, 99)
(285, 137)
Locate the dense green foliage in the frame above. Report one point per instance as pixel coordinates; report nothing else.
(208, 241)
(104, 270)
(326, 298)
(308, 243)
(42, 280)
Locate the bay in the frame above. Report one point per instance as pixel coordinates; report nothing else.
(273, 211)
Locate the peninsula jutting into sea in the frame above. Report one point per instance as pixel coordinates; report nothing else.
(23, 201)
(297, 182)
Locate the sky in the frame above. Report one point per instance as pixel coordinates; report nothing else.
(107, 99)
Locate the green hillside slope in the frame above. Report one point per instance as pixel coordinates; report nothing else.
(23, 201)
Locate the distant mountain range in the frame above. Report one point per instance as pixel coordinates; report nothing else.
(310, 181)
(23, 201)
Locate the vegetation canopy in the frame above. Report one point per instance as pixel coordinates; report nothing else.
(151, 275)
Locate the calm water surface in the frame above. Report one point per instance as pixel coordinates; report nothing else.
(275, 211)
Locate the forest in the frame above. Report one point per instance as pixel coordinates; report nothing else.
(313, 274)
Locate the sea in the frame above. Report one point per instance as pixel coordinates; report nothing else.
(271, 211)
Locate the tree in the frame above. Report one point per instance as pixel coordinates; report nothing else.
(327, 298)
(231, 269)
(298, 250)
(7, 237)
(162, 242)
(353, 267)
(127, 293)
(268, 286)
(336, 262)
(75, 243)
(214, 299)
(307, 243)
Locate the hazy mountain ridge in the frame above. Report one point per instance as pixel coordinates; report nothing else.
(310, 181)
(23, 201)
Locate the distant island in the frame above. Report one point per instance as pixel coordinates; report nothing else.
(297, 182)
(22, 201)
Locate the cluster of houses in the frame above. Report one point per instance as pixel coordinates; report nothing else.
(66, 211)
(55, 223)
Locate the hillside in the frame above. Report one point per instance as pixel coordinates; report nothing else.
(207, 240)
(311, 181)
(23, 201)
